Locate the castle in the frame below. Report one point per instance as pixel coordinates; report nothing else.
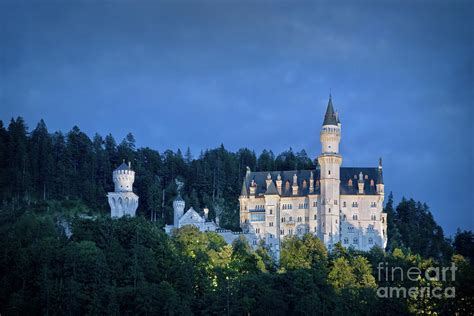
(123, 201)
(337, 204)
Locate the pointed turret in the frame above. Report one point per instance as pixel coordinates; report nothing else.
(244, 191)
(380, 173)
(380, 185)
(330, 117)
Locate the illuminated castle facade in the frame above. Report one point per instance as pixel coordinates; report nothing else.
(337, 204)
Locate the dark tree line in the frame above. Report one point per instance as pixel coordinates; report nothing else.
(39, 166)
(130, 267)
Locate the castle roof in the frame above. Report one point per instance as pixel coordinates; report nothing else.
(123, 166)
(303, 181)
(330, 118)
(271, 190)
(178, 198)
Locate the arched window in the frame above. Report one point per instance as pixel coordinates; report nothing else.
(346, 240)
(355, 240)
(371, 241)
(354, 217)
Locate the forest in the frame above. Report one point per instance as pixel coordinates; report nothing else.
(61, 254)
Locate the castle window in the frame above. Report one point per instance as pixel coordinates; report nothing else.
(299, 231)
(373, 217)
(344, 204)
(282, 219)
(370, 229)
(291, 218)
(290, 231)
(282, 231)
(355, 240)
(306, 218)
(329, 172)
(270, 224)
(299, 219)
(335, 202)
(355, 204)
(315, 216)
(315, 203)
(354, 217)
(329, 210)
(373, 204)
(344, 217)
(346, 241)
(371, 241)
(350, 229)
(271, 211)
(257, 230)
(254, 242)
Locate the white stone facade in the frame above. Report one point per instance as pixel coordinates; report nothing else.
(191, 217)
(332, 202)
(123, 201)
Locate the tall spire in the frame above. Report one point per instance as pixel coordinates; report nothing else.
(330, 117)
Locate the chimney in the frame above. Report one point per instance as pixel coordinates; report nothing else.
(278, 183)
(269, 180)
(253, 187)
(295, 185)
(360, 183)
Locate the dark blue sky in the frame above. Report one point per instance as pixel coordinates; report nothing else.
(258, 75)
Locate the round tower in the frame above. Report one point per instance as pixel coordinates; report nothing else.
(123, 201)
(330, 163)
(178, 209)
(123, 178)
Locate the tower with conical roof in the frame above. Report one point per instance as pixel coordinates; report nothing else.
(178, 209)
(123, 201)
(330, 164)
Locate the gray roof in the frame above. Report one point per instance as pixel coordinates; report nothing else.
(286, 177)
(353, 174)
(178, 198)
(330, 117)
(123, 166)
(346, 174)
(271, 190)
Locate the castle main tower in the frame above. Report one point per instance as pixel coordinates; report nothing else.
(123, 201)
(330, 164)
